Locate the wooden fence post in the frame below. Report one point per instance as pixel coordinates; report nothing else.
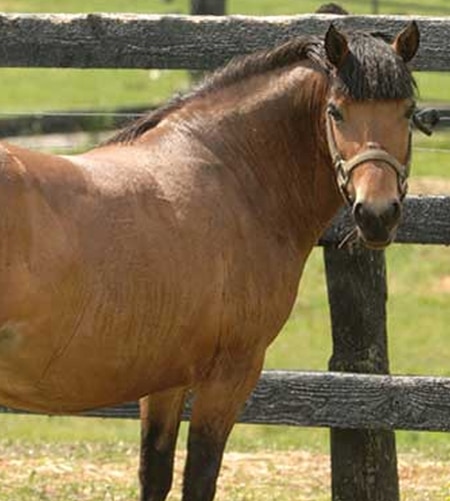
(208, 7)
(364, 462)
(203, 8)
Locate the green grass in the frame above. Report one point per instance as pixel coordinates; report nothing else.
(75, 6)
(41, 89)
(262, 7)
(433, 86)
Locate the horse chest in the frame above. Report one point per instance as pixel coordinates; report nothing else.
(259, 294)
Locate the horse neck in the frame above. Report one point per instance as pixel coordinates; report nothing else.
(269, 133)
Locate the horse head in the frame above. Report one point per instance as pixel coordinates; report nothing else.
(369, 112)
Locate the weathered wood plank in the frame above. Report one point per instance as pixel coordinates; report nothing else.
(150, 41)
(426, 220)
(339, 400)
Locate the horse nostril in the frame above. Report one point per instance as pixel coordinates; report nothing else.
(392, 213)
(388, 216)
(358, 212)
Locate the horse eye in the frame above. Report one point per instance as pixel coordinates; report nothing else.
(410, 112)
(335, 113)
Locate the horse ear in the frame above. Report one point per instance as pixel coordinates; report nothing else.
(407, 41)
(336, 46)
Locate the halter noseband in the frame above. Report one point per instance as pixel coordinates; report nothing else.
(344, 168)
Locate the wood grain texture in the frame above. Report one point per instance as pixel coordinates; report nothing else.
(341, 400)
(357, 295)
(151, 41)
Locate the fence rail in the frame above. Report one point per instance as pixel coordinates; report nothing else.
(191, 42)
(336, 400)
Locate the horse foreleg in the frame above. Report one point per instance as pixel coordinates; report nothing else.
(160, 419)
(216, 407)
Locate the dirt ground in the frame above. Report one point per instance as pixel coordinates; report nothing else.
(264, 476)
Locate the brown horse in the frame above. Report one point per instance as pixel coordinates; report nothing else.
(168, 259)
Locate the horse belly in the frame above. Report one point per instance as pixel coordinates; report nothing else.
(109, 332)
(41, 370)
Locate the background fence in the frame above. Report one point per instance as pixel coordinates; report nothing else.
(362, 407)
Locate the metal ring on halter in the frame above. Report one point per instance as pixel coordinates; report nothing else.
(344, 168)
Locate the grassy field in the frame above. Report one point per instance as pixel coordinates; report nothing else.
(87, 459)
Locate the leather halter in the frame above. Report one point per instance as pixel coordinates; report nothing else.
(345, 168)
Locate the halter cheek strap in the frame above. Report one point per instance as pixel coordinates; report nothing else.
(344, 168)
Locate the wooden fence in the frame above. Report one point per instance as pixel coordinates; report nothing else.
(364, 406)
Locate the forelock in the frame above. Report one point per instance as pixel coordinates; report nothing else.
(373, 70)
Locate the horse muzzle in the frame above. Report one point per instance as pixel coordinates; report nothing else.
(376, 225)
(377, 217)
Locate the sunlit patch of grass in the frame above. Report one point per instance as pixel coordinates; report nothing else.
(44, 89)
(83, 6)
(431, 155)
(433, 86)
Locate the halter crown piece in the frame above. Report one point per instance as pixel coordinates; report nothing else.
(344, 168)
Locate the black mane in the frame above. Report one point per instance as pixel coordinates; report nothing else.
(372, 70)
(237, 69)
